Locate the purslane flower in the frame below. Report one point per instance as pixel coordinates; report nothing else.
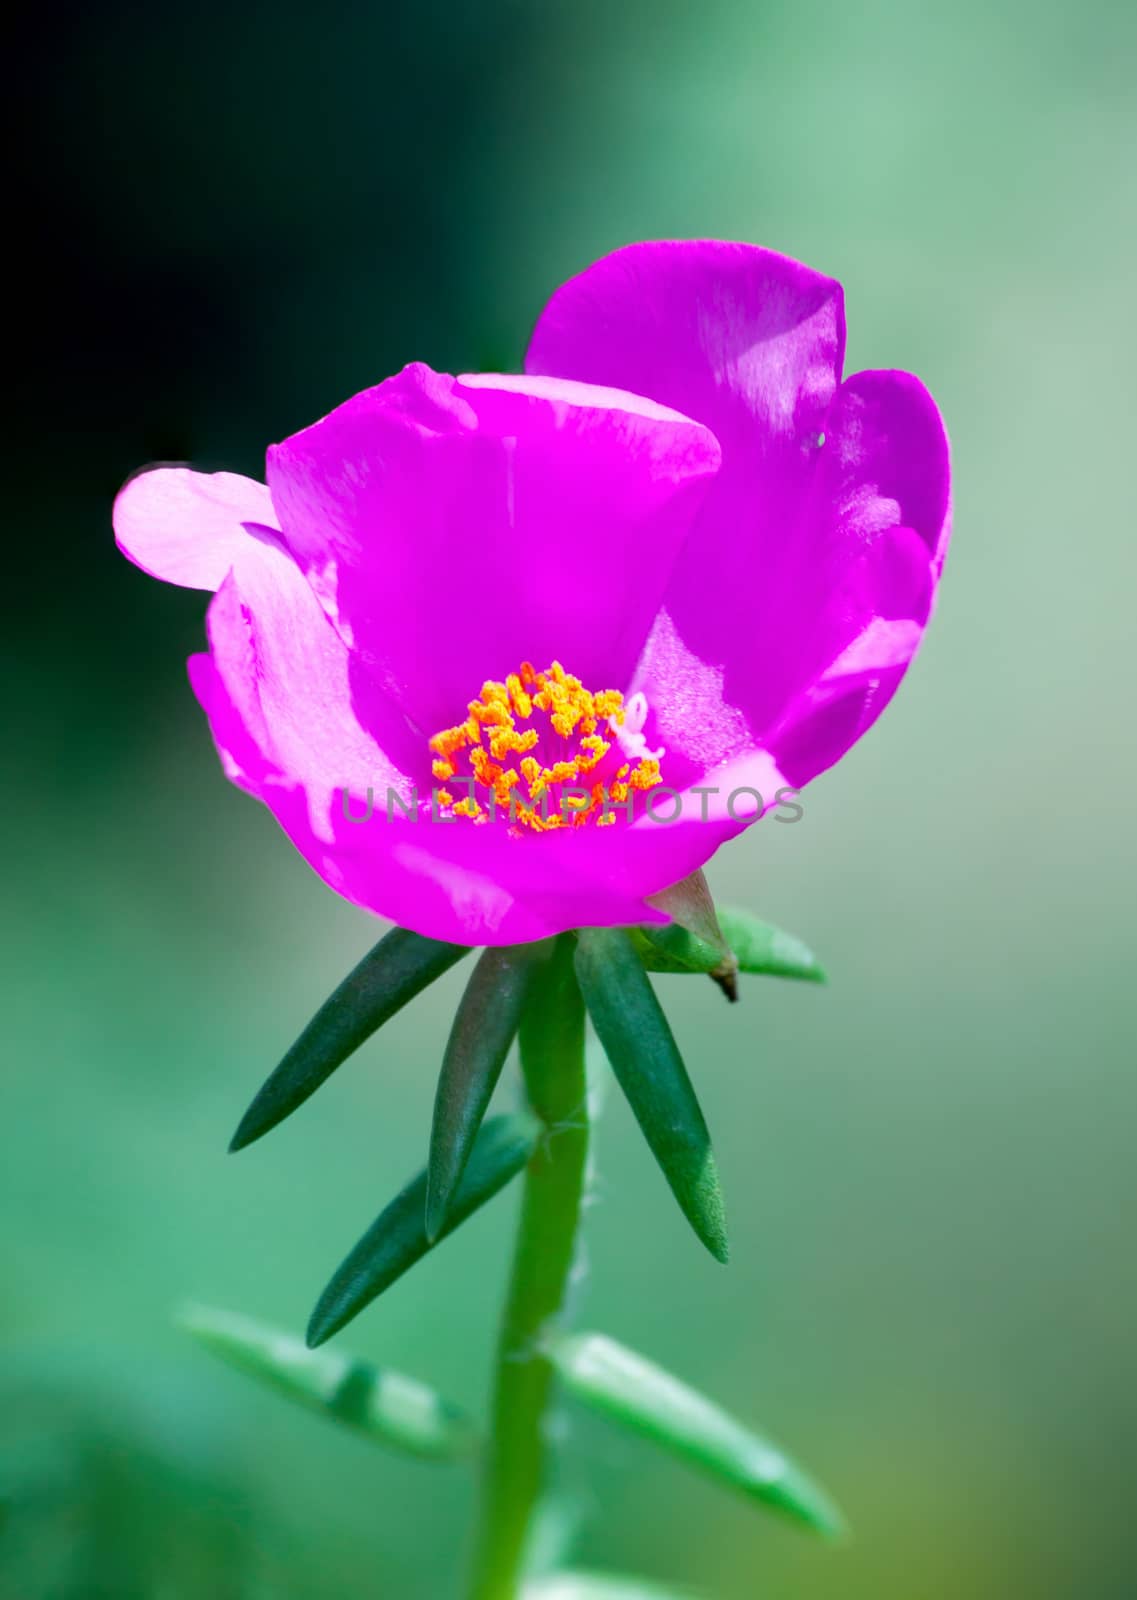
(678, 555)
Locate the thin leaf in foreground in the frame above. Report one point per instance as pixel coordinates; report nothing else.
(631, 1390)
(386, 1406)
(397, 1238)
(485, 1026)
(600, 1586)
(638, 1042)
(399, 967)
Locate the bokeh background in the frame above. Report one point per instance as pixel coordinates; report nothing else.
(227, 219)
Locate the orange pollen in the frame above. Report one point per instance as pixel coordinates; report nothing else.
(562, 732)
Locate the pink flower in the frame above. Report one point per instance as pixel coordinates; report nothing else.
(678, 563)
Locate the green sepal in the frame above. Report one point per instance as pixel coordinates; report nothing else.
(638, 1042)
(759, 947)
(397, 1239)
(485, 1026)
(386, 1406)
(631, 1390)
(691, 909)
(400, 966)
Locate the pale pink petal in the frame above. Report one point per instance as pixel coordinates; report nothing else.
(184, 526)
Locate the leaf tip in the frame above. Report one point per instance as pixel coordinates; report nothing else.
(835, 1530)
(190, 1317)
(727, 980)
(437, 1205)
(707, 1213)
(709, 1224)
(813, 1507)
(252, 1125)
(321, 1325)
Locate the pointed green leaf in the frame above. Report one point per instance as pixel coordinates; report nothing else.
(485, 1026)
(646, 1061)
(759, 947)
(400, 966)
(386, 1406)
(599, 1586)
(635, 1392)
(673, 949)
(397, 1239)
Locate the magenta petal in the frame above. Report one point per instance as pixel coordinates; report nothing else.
(456, 527)
(856, 586)
(741, 338)
(896, 579)
(241, 757)
(802, 594)
(296, 725)
(482, 885)
(184, 526)
(751, 343)
(723, 802)
(887, 458)
(884, 511)
(290, 682)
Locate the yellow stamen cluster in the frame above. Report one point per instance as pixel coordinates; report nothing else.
(497, 749)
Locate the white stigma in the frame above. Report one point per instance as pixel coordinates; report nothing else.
(629, 733)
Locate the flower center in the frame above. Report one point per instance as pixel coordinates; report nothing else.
(548, 751)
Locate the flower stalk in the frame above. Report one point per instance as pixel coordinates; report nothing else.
(552, 1061)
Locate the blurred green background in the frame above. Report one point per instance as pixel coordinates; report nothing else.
(229, 219)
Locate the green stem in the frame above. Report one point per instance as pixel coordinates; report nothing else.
(552, 1059)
